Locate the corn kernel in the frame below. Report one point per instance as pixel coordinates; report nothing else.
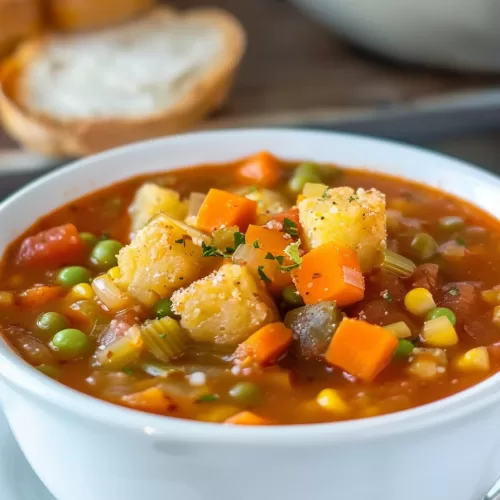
(114, 273)
(399, 329)
(82, 291)
(439, 332)
(491, 296)
(496, 316)
(476, 359)
(419, 301)
(330, 400)
(6, 298)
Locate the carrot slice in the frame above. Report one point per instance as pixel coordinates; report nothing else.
(361, 349)
(269, 240)
(266, 345)
(153, 400)
(224, 209)
(262, 170)
(247, 418)
(330, 273)
(52, 248)
(39, 295)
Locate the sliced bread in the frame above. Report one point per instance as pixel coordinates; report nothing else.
(78, 15)
(18, 19)
(74, 95)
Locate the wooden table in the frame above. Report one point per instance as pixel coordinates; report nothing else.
(296, 72)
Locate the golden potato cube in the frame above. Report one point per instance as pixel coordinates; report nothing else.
(225, 307)
(151, 199)
(158, 261)
(349, 218)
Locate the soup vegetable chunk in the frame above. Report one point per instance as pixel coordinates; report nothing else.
(259, 293)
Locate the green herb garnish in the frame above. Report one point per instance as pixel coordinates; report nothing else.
(460, 241)
(292, 250)
(128, 371)
(325, 195)
(289, 227)
(269, 256)
(208, 397)
(352, 198)
(263, 276)
(210, 251)
(255, 244)
(387, 295)
(239, 239)
(454, 291)
(180, 240)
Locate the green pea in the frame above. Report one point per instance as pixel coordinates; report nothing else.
(51, 371)
(442, 311)
(304, 173)
(291, 296)
(246, 393)
(50, 323)
(451, 223)
(73, 275)
(404, 349)
(163, 308)
(104, 254)
(424, 246)
(70, 343)
(89, 240)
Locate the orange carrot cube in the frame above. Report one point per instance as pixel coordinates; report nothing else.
(261, 170)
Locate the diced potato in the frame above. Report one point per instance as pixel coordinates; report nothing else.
(268, 201)
(158, 261)
(354, 219)
(476, 359)
(225, 307)
(151, 199)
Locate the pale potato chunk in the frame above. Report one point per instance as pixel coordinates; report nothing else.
(268, 201)
(353, 219)
(151, 199)
(159, 260)
(226, 307)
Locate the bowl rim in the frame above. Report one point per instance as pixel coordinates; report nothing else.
(23, 377)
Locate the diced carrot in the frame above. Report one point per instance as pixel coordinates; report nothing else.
(247, 418)
(261, 170)
(266, 345)
(39, 295)
(291, 214)
(279, 281)
(330, 273)
(224, 209)
(153, 400)
(52, 248)
(361, 349)
(269, 240)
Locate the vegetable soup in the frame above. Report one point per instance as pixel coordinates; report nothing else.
(259, 292)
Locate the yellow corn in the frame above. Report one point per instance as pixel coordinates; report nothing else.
(114, 273)
(439, 332)
(491, 296)
(496, 316)
(82, 291)
(330, 400)
(399, 329)
(476, 359)
(419, 301)
(6, 298)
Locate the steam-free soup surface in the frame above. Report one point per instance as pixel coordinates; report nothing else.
(259, 292)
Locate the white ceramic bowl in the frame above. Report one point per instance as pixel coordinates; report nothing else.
(459, 34)
(85, 449)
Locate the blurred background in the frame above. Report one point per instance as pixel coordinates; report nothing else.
(424, 72)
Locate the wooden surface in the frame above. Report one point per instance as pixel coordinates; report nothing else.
(295, 71)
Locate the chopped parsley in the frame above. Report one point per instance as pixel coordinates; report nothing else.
(180, 240)
(263, 276)
(252, 189)
(269, 256)
(460, 241)
(290, 227)
(255, 244)
(128, 371)
(352, 198)
(208, 397)
(209, 250)
(386, 295)
(280, 259)
(163, 335)
(454, 291)
(292, 250)
(325, 195)
(239, 239)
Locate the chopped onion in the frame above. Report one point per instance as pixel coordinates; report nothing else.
(121, 352)
(194, 204)
(353, 277)
(109, 294)
(314, 190)
(255, 260)
(223, 238)
(197, 236)
(398, 265)
(244, 254)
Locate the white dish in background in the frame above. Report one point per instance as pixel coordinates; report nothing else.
(457, 34)
(86, 449)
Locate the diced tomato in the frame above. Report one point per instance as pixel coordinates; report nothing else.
(52, 248)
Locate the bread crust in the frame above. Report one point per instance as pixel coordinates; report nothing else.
(81, 15)
(80, 137)
(18, 19)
